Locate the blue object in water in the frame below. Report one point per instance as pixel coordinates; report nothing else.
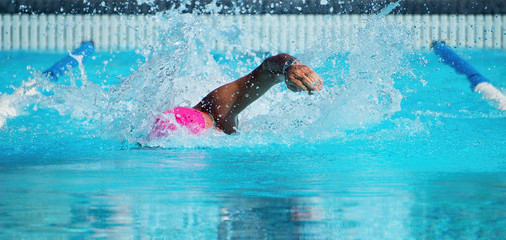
(460, 65)
(85, 50)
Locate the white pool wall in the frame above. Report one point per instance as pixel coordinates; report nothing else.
(274, 32)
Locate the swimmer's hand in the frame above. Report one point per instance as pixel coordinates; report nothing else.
(299, 77)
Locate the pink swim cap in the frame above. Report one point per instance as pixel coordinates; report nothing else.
(187, 117)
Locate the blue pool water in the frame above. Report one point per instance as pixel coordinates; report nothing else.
(395, 147)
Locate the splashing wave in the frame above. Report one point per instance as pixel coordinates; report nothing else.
(182, 68)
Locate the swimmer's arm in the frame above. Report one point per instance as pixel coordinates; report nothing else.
(298, 77)
(227, 101)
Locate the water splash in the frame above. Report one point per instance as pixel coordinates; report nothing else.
(368, 92)
(359, 86)
(386, 10)
(182, 68)
(11, 105)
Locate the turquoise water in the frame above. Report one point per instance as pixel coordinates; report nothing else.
(435, 169)
(395, 147)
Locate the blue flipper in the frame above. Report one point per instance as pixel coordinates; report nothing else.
(85, 50)
(460, 65)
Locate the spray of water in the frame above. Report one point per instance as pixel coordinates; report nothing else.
(360, 96)
(181, 70)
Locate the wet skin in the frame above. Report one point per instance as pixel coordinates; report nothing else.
(226, 102)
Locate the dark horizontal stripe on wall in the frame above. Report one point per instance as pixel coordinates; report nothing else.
(252, 6)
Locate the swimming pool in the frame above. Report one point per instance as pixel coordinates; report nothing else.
(395, 147)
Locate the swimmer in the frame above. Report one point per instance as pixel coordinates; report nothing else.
(221, 106)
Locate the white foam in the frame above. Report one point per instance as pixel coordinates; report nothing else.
(181, 70)
(493, 96)
(11, 104)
